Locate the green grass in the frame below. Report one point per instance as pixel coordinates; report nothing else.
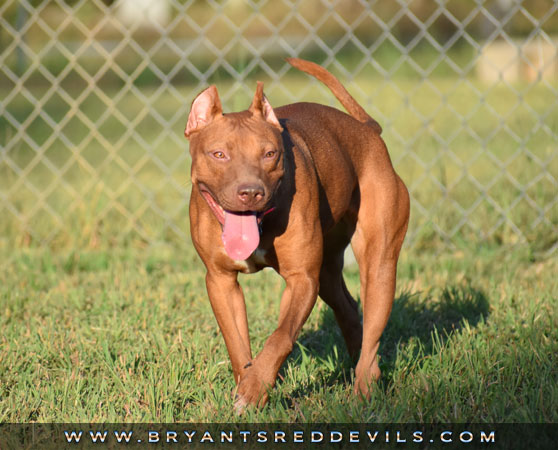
(128, 335)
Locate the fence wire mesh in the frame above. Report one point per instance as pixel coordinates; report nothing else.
(94, 97)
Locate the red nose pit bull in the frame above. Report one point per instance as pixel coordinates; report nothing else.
(290, 188)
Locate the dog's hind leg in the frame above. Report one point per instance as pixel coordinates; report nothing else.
(382, 223)
(334, 291)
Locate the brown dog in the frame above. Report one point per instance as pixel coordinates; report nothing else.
(290, 188)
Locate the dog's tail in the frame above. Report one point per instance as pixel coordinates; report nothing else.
(335, 86)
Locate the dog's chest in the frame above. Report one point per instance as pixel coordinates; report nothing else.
(254, 263)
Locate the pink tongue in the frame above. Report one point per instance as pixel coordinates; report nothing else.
(240, 235)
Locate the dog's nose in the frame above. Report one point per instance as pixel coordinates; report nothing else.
(250, 193)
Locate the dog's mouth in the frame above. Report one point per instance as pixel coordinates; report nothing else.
(241, 233)
(215, 207)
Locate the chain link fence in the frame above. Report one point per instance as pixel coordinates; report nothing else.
(94, 96)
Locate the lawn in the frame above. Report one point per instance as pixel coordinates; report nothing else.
(103, 309)
(128, 335)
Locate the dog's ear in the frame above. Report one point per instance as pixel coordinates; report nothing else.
(205, 107)
(260, 105)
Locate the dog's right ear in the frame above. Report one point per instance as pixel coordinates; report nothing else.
(205, 107)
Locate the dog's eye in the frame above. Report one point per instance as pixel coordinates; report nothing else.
(219, 154)
(270, 153)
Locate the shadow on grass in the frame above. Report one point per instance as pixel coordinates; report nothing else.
(414, 316)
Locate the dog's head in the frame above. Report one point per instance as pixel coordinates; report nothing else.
(237, 163)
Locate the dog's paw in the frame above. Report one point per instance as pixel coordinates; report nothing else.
(363, 388)
(365, 380)
(251, 391)
(240, 404)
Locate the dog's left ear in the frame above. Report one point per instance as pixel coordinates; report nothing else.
(260, 105)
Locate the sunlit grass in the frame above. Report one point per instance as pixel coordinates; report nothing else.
(128, 335)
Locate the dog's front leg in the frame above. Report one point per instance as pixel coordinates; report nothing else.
(297, 302)
(229, 308)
